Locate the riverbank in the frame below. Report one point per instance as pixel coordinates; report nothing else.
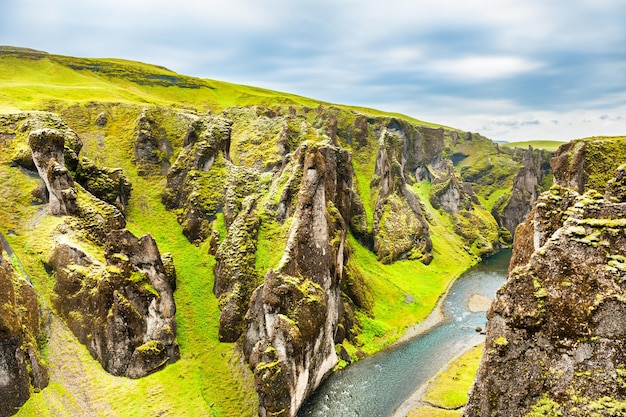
(416, 400)
(379, 384)
(475, 303)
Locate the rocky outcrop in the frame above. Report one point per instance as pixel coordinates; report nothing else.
(151, 146)
(123, 311)
(47, 147)
(290, 328)
(556, 334)
(400, 229)
(107, 184)
(196, 181)
(21, 367)
(511, 209)
(235, 273)
(583, 164)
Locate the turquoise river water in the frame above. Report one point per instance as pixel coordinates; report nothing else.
(377, 385)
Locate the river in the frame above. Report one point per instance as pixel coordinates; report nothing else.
(377, 385)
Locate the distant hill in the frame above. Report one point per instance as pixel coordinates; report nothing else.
(548, 145)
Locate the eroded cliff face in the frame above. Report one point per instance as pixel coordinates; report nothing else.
(398, 212)
(273, 194)
(123, 309)
(288, 175)
(555, 338)
(21, 366)
(511, 209)
(114, 290)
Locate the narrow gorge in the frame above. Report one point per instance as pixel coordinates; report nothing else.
(245, 248)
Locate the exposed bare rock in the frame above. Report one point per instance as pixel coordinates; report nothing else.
(449, 192)
(556, 334)
(151, 146)
(47, 147)
(102, 119)
(511, 209)
(123, 311)
(293, 318)
(588, 163)
(21, 366)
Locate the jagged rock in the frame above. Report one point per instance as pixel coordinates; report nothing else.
(451, 194)
(293, 317)
(235, 274)
(170, 269)
(21, 366)
(195, 183)
(122, 311)
(107, 184)
(583, 163)
(400, 229)
(152, 147)
(511, 209)
(95, 217)
(556, 333)
(102, 119)
(47, 147)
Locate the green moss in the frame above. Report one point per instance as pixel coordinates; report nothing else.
(602, 158)
(151, 347)
(449, 387)
(545, 407)
(501, 342)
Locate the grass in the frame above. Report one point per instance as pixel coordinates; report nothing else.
(447, 391)
(205, 365)
(210, 378)
(548, 145)
(449, 388)
(29, 80)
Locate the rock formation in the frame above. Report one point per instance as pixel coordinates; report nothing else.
(511, 209)
(118, 302)
(398, 212)
(107, 184)
(47, 147)
(151, 146)
(286, 194)
(556, 333)
(21, 366)
(235, 274)
(123, 311)
(195, 183)
(293, 317)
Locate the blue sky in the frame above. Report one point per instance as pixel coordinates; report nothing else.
(509, 69)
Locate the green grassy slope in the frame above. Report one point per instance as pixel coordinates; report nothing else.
(210, 378)
(30, 80)
(548, 145)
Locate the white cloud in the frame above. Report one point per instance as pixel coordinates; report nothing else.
(483, 68)
(493, 64)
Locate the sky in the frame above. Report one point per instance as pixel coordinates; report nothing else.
(508, 69)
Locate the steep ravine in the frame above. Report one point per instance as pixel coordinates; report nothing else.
(289, 201)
